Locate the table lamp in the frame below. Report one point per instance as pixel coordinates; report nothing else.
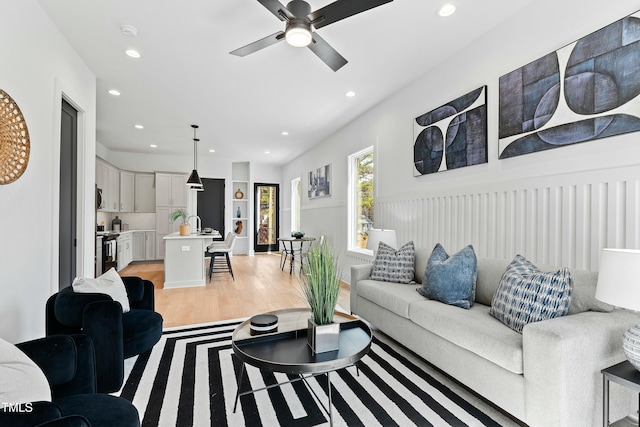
(619, 285)
(377, 235)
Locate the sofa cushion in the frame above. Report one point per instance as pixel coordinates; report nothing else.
(394, 266)
(451, 279)
(490, 271)
(473, 330)
(422, 257)
(395, 297)
(527, 295)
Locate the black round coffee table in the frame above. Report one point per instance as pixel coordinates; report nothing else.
(287, 351)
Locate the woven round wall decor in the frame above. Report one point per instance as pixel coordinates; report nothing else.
(14, 140)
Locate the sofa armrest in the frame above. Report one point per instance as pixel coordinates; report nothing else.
(563, 358)
(358, 272)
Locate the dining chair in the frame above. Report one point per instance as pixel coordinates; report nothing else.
(284, 254)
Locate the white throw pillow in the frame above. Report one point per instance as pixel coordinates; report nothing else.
(22, 380)
(109, 283)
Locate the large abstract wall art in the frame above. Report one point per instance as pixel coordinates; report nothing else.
(452, 136)
(320, 182)
(585, 91)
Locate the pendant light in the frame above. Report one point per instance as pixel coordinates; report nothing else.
(194, 179)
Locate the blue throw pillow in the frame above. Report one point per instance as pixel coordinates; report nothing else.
(526, 294)
(451, 279)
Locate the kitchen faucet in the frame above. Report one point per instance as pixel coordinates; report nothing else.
(198, 222)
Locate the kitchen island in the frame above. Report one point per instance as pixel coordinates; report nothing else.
(184, 259)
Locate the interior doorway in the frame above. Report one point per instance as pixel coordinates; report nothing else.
(267, 209)
(211, 204)
(67, 240)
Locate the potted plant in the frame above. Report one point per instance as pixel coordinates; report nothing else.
(185, 230)
(321, 287)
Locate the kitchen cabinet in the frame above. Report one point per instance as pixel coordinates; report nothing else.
(164, 226)
(171, 189)
(127, 190)
(145, 193)
(150, 245)
(138, 246)
(144, 245)
(108, 180)
(124, 248)
(113, 189)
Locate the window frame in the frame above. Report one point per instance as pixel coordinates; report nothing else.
(296, 200)
(352, 221)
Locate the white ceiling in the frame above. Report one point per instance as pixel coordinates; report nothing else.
(187, 76)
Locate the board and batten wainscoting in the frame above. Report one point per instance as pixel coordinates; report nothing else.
(558, 219)
(563, 219)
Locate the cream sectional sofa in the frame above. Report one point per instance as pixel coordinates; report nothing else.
(547, 376)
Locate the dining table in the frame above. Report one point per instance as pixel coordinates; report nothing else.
(295, 245)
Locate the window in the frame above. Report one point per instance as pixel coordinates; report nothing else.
(295, 204)
(361, 184)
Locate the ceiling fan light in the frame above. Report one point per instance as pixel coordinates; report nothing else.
(298, 35)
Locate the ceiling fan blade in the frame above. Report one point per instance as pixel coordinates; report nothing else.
(276, 7)
(260, 44)
(341, 9)
(324, 51)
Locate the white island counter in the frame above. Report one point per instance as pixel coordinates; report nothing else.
(184, 259)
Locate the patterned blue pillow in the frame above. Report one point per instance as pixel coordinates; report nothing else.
(451, 280)
(394, 266)
(526, 294)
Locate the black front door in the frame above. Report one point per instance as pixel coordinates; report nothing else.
(267, 209)
(68, 195)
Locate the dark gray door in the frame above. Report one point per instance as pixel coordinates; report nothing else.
(68, 194)
(211, 204)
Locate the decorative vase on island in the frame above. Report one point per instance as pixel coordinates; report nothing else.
(185, 230)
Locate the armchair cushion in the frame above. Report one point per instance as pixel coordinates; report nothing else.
(69, 306)
(22, 380)
(109, 283)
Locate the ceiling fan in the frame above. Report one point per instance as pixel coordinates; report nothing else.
(300, 20)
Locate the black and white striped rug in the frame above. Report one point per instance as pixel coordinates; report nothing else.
(189, 379)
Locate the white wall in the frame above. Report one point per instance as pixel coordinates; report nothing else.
(403, 201)
(38, 68)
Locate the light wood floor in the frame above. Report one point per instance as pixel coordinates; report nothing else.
(259, 286)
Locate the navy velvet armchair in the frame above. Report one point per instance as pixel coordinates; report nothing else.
(116, 335)
(67, 362)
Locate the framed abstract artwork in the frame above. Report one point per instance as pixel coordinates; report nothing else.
(452, 136)
(320, 182)
(587, 90)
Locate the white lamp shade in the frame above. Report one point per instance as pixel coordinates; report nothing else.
(377, 235)
(619, 278)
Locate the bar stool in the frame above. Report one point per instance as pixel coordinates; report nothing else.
(218, 249)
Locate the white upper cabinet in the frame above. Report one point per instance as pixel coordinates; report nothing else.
(108, 180)
(145, 193)
(127, 191)
(171, 189)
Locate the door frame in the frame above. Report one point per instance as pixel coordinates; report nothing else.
(70, 212)
(256, 213)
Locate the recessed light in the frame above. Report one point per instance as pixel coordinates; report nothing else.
(114, 92)
(447, 9)
(132, 53)
(285, 133)
(267, 152)
(139, 126)
(153, 146)
(350, 94)
(212, 151)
